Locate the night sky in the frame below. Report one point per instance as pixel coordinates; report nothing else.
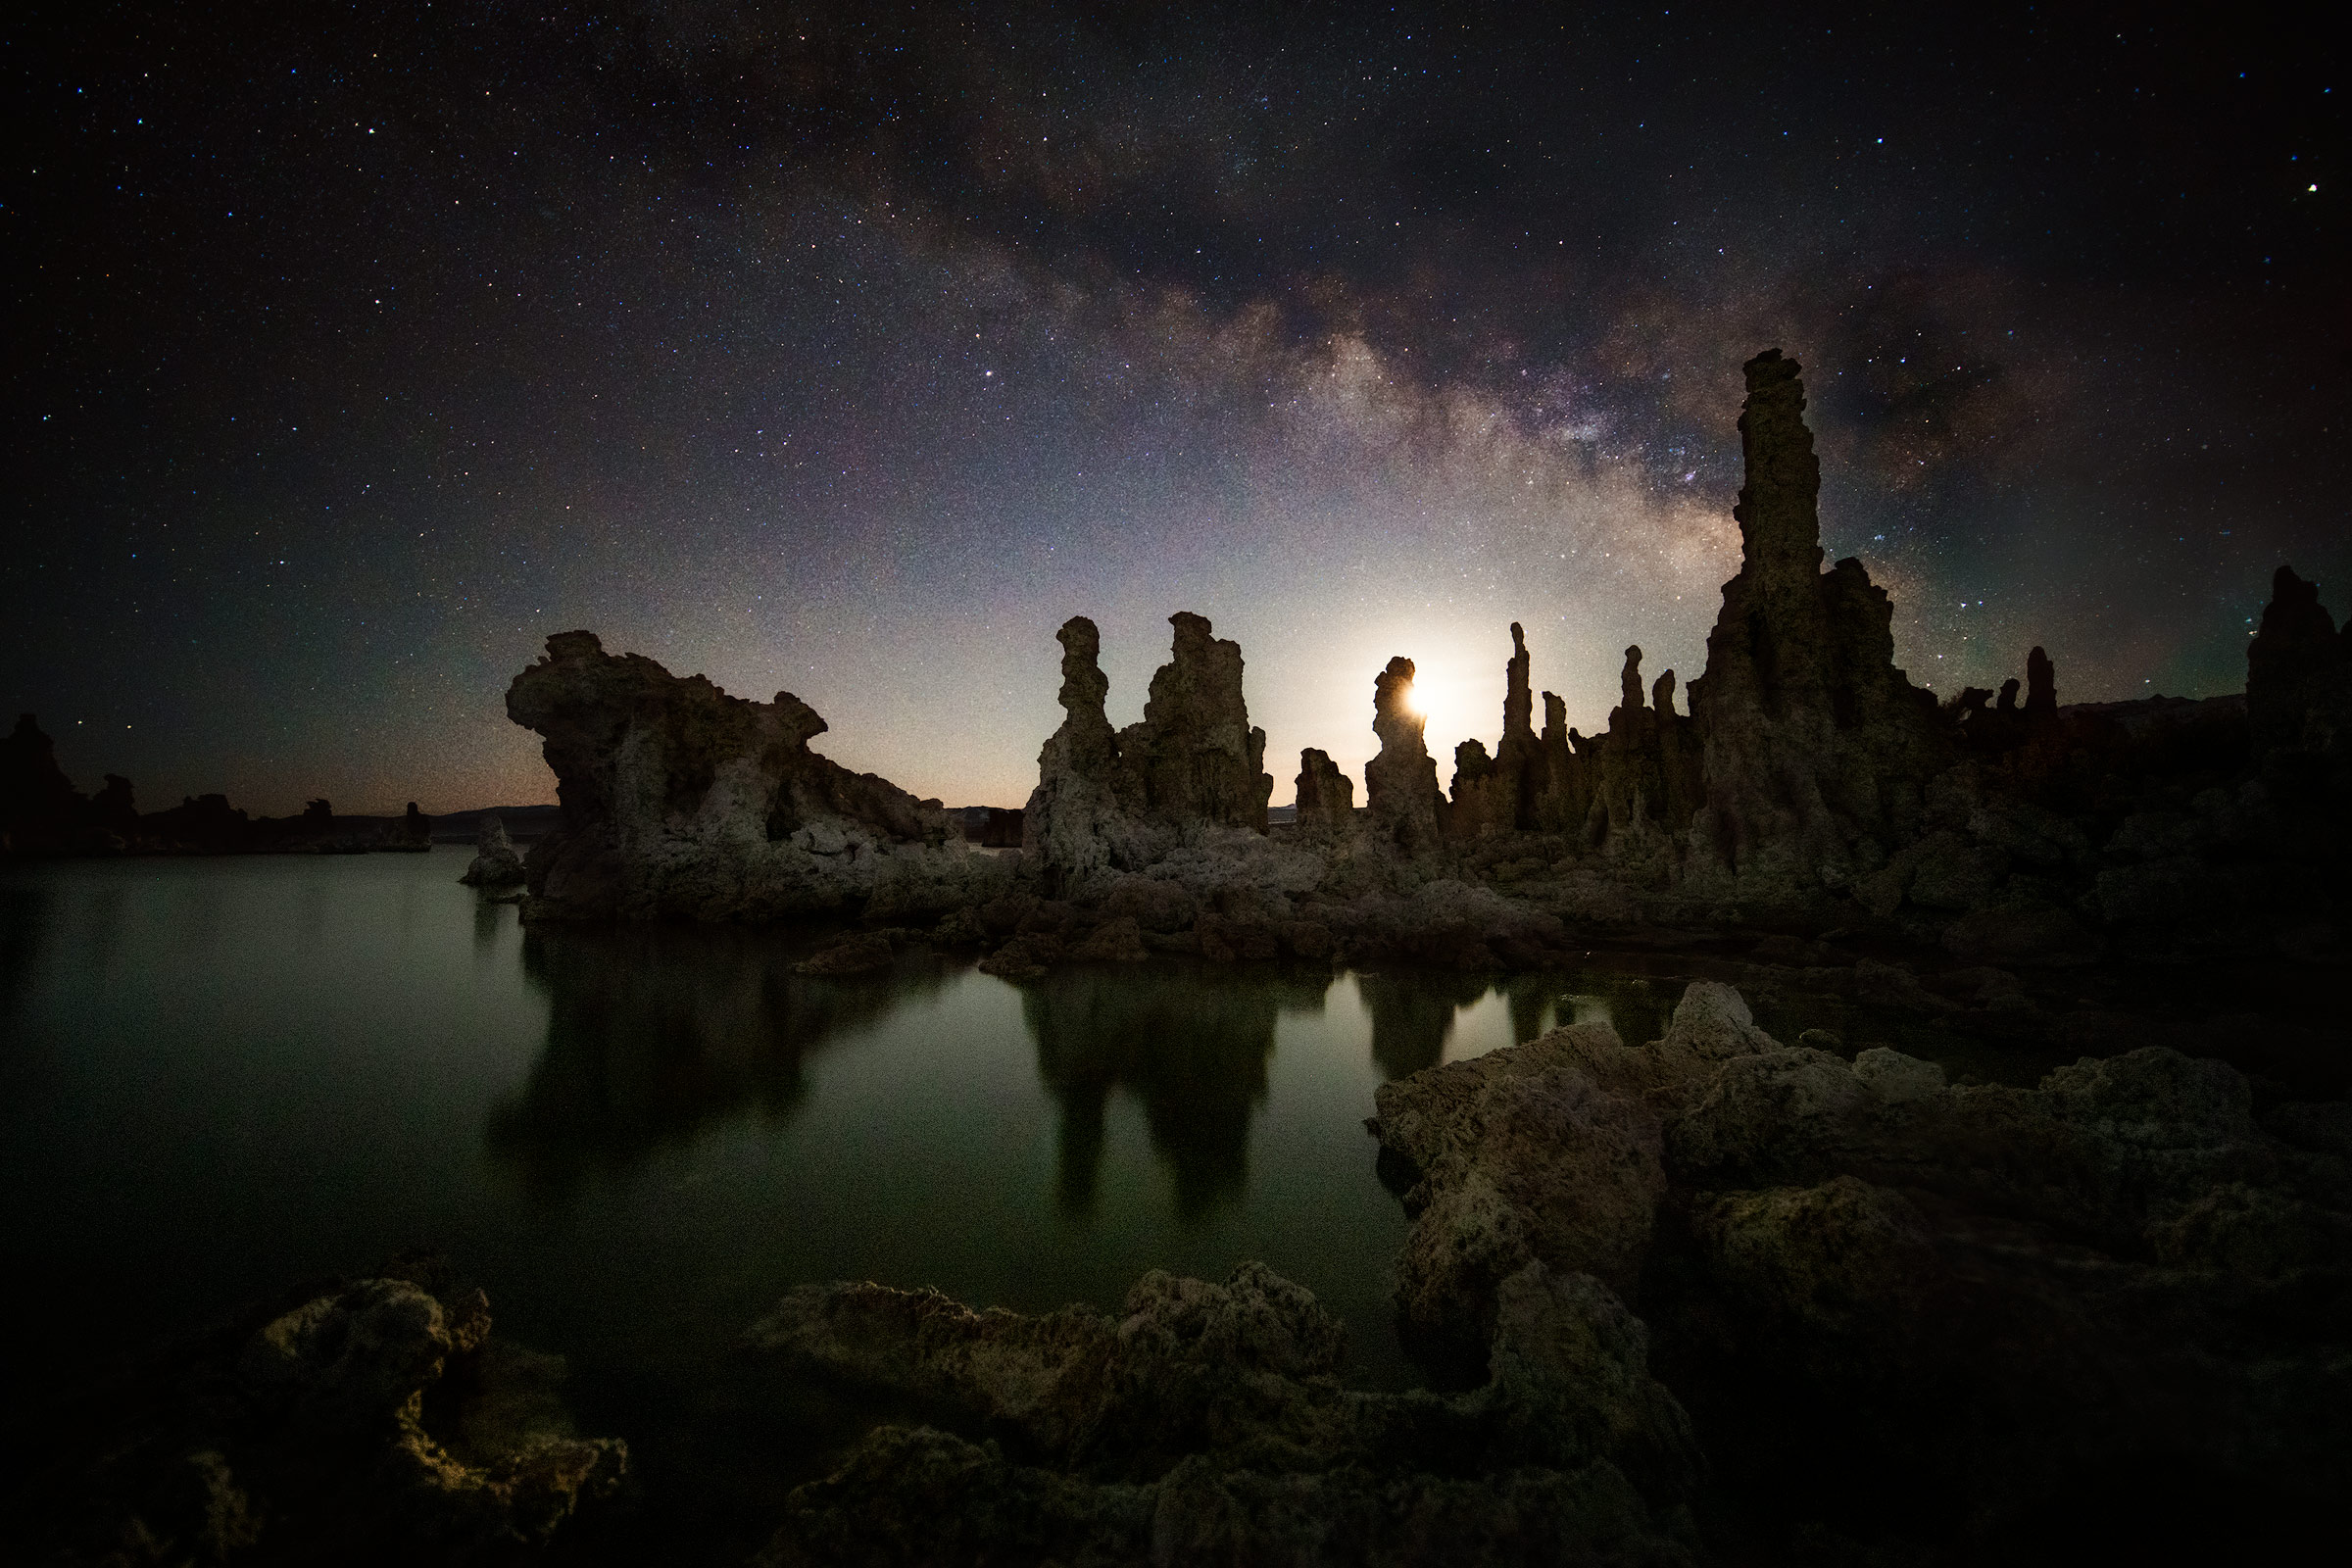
(353, 350)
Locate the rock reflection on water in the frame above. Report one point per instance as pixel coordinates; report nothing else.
(655, 1032)
(1192, 1048)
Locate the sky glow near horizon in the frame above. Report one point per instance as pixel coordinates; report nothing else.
(852, 359)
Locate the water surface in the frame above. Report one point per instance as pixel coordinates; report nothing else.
(221, 1075)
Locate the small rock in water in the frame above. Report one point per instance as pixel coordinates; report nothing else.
(862, 954)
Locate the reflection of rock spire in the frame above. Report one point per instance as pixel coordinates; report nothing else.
(1194, 1057)
(657, 1032)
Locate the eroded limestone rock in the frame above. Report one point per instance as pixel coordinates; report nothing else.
(680, 801)
(1207, 1423)
(1400, 783)
(1813, 739)
(496, 863)
(303, 1432)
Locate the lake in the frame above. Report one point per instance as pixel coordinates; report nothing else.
(222, 1075)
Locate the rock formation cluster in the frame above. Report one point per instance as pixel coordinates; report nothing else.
(1808, 785)
(1110, 801)
(1676, 1283)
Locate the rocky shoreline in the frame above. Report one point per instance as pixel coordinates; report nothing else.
(1678, 1285)
(1715, 1297)
(1726, 1296)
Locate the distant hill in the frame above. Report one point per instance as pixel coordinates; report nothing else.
(524, 824)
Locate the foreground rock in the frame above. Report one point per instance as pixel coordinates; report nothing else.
(496, 864)
(369, 1420)
(1207, 1424)
(680, 801)
(1966, 1301)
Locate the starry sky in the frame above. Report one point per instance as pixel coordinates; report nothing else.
(354, 349)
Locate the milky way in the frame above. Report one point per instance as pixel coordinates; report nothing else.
(358, 352)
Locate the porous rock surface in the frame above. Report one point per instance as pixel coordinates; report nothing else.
(495, 863)
(1107, 801)
(1205, 1423)
(1816, 745)
(1961, 1298)
(681, 801)
(364, 1420)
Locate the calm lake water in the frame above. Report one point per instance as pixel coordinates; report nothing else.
(220, 1077)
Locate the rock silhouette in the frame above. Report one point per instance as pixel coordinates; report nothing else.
(1110, 801)
(1400, 783)
(496, 864)
(681, 801)
(1809, 783)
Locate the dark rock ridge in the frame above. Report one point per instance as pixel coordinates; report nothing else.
(1968, 1303)
(1110, 801)
(362, 1420)
(1675, 1284)
(42, 814)
(681, 801)
(1207, 1423)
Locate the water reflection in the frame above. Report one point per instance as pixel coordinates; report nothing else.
(1190, 1047)
(1413, 1015)
(655, 1033)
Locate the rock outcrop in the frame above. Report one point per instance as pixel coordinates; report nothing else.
(680, 801)
(364, 1420)
(1083, 818)
(1207, 1423)
(1108, 802)
(1817, 748)
(2299, 676)
(495, 864)
(1400, 783)
(40, 810)
(1968, 1301)
(1195, 751)
(1326, 796)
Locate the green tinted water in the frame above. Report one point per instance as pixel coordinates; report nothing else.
(220, 1077)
